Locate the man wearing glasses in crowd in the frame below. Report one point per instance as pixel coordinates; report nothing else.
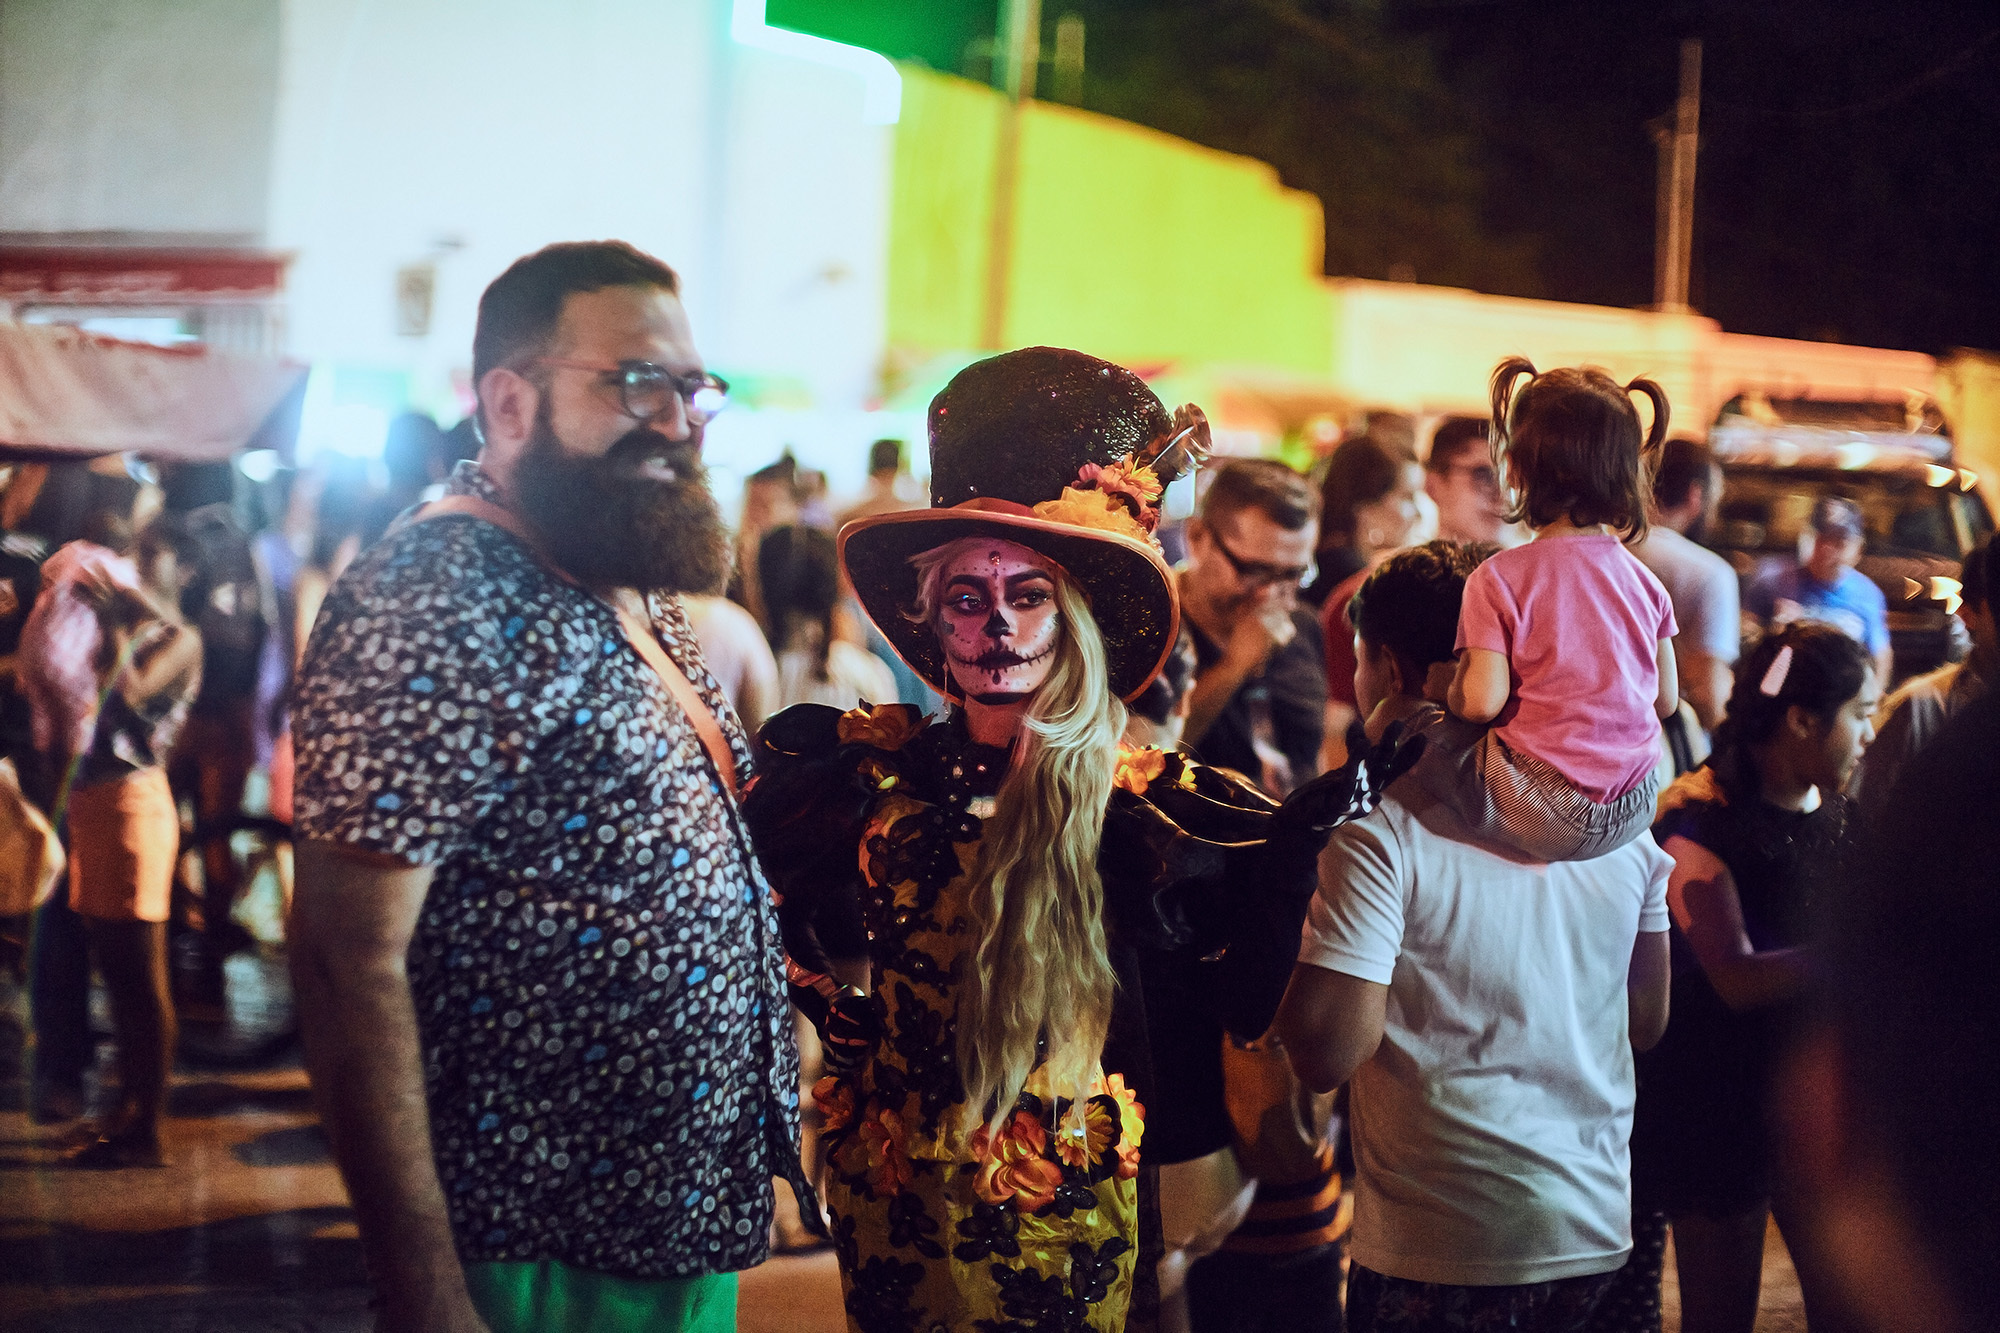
(539, 982)
(1259, 699)
(1459, 478)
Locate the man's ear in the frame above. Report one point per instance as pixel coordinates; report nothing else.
(509, 402)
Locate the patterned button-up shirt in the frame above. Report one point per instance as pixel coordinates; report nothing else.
(608, 1055)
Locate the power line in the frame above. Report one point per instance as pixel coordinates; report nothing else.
(1875, 103)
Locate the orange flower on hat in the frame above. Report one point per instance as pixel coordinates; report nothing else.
(1014, 1166)
(1137, 767)
(1134, 484)
(835, 1100)
(884, 726)
(887, 1144)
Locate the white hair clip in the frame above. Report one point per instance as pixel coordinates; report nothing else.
(1774, 676)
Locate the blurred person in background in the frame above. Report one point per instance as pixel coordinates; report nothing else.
(1368, 499)
(416, 456)
(888, 489)
(816, 664)
(111, 670)
(1914, 715)
(1259, 702)
(1891, 1105)
(770, 500)
(224, 598)
(1754, 836)
(1824, 585)
(1687, 489)
(737, 653)
(1372, 499)
(46, 507)
(1461, 480)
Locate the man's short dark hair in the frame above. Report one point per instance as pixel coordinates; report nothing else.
(1683, 463)
(1410, 604)
(1285, 497)
(885, 456)
(1908, 983)
(1453, 437)
(519, 310)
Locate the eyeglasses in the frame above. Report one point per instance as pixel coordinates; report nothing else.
(647, 390)
(1482, 474)
(1259, 574)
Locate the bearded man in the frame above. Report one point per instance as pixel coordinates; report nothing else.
(539, 980)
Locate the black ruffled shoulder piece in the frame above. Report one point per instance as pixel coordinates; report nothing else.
(1190, 867)
(806, 809)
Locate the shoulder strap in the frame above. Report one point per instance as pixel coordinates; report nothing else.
(637, 632)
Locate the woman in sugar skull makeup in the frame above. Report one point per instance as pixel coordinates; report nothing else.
(1023, 887)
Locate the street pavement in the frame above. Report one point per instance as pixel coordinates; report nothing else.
(248, 1229)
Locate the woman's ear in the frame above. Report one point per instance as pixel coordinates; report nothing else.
(1802, 723)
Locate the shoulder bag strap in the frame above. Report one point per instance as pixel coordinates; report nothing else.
(637, 632)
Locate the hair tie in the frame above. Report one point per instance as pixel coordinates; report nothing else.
(1774, 676)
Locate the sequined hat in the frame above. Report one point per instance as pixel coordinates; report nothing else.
(1064, 454)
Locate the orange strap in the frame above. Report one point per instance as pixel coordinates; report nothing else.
(637, 632)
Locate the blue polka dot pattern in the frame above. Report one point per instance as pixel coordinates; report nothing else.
(609, 1059)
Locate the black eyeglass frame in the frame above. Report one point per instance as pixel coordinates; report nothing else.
(1260, 574)
(630, 377)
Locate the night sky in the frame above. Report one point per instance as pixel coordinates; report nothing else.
(1848, 187)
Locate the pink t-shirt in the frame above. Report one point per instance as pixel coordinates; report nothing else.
(1580, 621)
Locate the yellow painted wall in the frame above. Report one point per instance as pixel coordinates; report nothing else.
(1127, 243)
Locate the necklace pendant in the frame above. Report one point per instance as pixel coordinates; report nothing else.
(982, 807)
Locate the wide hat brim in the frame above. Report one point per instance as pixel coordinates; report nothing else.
(1127, 582)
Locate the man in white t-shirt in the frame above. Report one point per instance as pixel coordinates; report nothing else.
(1687, 488)
(1484, 1009)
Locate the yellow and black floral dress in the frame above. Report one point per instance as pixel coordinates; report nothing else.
(868, 825)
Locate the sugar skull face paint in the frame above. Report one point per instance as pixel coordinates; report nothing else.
(997, 621)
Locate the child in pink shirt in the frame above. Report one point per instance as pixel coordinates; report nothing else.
(1565, 644)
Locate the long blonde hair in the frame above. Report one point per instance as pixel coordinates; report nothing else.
(1039, 967)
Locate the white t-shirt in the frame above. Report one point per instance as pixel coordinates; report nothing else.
(1491, 1126)
(1702, 587)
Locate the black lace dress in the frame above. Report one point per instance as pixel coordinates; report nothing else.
(1701, 1132)
(868, 826)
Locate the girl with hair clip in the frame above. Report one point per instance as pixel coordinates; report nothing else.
(1755, 835)
(1565, 644)
(1009, 864)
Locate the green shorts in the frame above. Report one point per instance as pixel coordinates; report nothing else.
(547, 1297)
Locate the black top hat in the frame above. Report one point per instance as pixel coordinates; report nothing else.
(1064, 454)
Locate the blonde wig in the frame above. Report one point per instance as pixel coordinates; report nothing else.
(1039, 970)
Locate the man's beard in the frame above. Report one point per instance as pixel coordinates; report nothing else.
(606, 525)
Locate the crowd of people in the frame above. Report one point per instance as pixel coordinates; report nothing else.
(1402, 912)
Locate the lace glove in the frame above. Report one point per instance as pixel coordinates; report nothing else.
(1300, 828)
(852, 1031)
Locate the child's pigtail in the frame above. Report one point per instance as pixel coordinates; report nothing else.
(1498, 439)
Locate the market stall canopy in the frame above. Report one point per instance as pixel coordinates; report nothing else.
(68, 393)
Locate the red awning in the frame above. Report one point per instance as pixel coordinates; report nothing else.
(125, 275)
(67, 392)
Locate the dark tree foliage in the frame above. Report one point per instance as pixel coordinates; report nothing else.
(1335, 98)
(1848, 185)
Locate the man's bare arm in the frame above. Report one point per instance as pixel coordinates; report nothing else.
(353, 915)
(1330, 1023)
(1649, 984)
(1706, 681)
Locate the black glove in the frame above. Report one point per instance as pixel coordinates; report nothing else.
(1302, 823)
(852, 1031)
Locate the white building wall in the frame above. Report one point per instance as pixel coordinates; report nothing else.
(469, 132)
(137, 115)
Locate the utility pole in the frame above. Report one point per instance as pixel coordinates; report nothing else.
(1020, 61)
(1674, 214)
